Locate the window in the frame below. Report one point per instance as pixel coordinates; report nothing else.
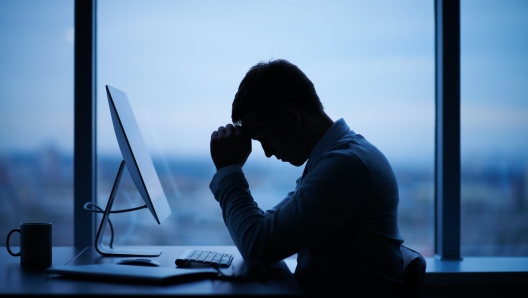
(36, 123)
(180, 63)
(494, 128)
(372, 63)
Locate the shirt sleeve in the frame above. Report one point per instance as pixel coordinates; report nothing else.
(326, 198)
(220, 174)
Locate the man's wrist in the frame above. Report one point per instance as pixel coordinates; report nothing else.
(218, 168)
(223, 172)
(226, 170)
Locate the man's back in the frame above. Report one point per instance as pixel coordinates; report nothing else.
(365, 249)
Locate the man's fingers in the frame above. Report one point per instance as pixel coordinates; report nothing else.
(229, 146)
(217, 133)
(227, 130)
(230, 129)
(214, 134)
(221, 131)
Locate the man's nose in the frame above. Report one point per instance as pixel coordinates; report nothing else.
(268, 150)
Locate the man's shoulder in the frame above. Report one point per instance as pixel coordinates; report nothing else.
(343, 153)
(348, 144)
(352, 148)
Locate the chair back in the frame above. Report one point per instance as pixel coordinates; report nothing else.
(413, 272)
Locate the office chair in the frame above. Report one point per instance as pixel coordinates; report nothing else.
(413, 272)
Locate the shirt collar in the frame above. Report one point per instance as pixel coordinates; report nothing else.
(336, 131)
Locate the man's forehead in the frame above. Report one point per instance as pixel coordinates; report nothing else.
(250, 124)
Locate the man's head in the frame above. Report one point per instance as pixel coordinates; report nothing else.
(276, 104)
(269, 87)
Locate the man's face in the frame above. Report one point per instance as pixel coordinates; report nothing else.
(279, 137)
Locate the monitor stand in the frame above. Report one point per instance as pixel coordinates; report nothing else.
(107, 251)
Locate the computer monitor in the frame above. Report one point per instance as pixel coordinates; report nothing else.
(141, 169)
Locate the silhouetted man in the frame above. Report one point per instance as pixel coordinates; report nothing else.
(341, 219)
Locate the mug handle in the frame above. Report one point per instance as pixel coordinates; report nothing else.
(7, 243)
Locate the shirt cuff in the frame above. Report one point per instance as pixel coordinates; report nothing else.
(220, 174)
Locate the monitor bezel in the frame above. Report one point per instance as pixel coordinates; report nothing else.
(135, 154)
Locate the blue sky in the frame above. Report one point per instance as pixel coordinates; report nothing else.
(180, 62)
(361, 59)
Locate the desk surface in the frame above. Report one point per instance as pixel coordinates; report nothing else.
(17, 280)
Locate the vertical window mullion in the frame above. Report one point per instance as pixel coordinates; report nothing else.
(447, 147)
(85, 161)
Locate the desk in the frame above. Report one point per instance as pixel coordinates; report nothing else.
(17, 280)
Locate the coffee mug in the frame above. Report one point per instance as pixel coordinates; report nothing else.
(35, 245)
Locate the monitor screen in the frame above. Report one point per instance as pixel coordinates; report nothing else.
(135, 154)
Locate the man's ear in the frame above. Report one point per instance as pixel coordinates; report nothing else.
(293, 117)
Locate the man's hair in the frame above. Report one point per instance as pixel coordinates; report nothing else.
(272, 85)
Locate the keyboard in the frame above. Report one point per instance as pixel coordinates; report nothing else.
(204, 257)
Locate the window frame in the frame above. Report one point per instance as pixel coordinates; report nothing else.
(440, 268)
(447, 134)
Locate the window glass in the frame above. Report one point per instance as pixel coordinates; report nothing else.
(36, 116)
(180, 63)
(494, 127)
